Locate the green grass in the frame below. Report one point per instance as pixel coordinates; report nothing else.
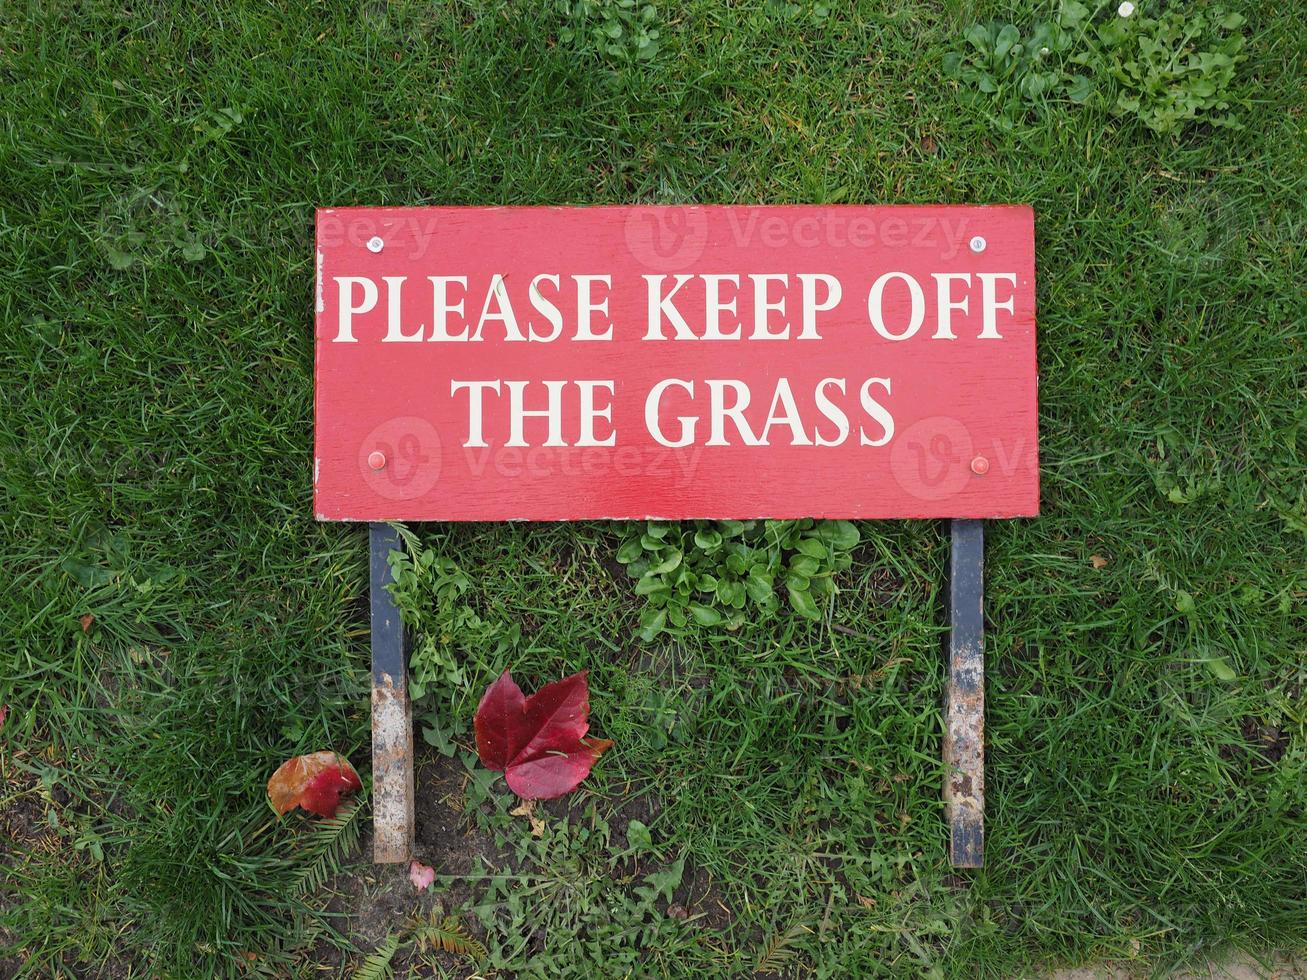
(1147, 769)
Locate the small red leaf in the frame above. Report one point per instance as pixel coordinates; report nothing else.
(316, 782)
(538, 742)
(422, 876)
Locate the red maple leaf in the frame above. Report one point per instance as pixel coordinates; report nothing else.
(538, 742)
(316, 782)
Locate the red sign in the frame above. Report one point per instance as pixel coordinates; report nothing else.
(676, 362)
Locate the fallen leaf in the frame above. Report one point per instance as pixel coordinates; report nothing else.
(422, 876)
(527, 808)
(539, 742)
(4, 713)
(86, 622)
(1098, 561)
(315, 782)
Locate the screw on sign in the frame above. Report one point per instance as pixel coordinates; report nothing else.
(400, 459)
(929, 459)
(848, 362)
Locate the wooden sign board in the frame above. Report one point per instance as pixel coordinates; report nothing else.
(676, 362)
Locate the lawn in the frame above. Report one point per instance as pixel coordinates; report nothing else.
(176, 624)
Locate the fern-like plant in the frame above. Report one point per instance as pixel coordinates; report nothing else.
(777, 952)
(326, 846)
(435, 931)
(444, 932)
(377, 965)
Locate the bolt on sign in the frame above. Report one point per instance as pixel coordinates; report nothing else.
(677, 362)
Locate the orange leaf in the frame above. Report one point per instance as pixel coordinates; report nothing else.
(316, 782)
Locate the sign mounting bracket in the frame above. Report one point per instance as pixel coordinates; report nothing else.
(964, 738)
(392, 713)
(964, 708)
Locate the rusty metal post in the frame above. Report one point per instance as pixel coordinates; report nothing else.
(964, 732)
(392, 721)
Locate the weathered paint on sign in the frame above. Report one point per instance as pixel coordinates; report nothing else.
(677, 362)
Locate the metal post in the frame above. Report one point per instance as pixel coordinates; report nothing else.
(392, 721)
(964, 733)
